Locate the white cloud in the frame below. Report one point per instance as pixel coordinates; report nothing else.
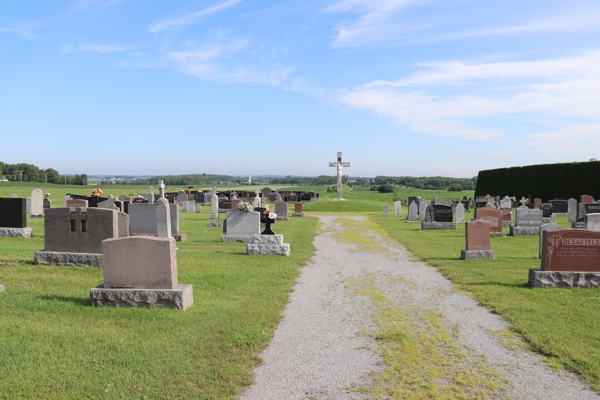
(581, 141)
(449, 98)
(178, 22)
(93, 48)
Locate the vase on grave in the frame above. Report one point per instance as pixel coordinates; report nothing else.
(268, 221)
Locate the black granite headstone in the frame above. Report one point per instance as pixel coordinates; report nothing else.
(559, 206)
(587, 208)
(13, 212)
(441, 213)
(546, 210)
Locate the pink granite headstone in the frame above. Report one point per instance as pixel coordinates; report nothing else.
(77, 203)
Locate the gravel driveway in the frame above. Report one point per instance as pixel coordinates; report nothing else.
(320, 351)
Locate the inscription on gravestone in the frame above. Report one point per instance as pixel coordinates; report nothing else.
(571, 250)
(477, 235)
(493, 216)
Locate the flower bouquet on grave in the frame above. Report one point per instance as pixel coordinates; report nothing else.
(245, 207)
(46, 195)
(270, 218)
(97, 192)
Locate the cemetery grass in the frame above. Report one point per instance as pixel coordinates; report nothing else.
(560, 324)
(54, 345)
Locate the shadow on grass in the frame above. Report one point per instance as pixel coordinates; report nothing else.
(515, 285)
(75, 300)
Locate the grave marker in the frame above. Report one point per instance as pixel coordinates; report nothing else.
(37, 203)
(477, 241)
(339, 164)
(13, 217)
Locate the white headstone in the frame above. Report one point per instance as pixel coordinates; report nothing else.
(591, 222)
(67, 198)
(385, 210)
(197, 207)
(505, 202)
(37, 202)
(161, 188)
(398, 206)
(215, 206)
(163, 218)
(413, 210)
(459, 213)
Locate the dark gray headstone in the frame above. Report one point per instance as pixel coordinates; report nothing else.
(13, 212)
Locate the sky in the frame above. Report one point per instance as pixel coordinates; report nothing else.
(253, 87)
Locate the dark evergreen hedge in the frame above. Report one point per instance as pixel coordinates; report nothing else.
(545, 181)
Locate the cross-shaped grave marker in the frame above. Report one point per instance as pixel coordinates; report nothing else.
(339, 165)
(80, 216)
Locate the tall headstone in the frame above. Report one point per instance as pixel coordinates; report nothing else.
(385, 210)
(413, 211)
(494, 217)
(339, 164)
(477, 241)
(37, 203)
(281, 209)
(161, 188)
(572, 204)
(215, 206)
(398, 206)
(65, 200)
(546, 227)
(505, 202)
(13, 217)
(460, 213)
(163, 218)
(592, 222)
(198, 207)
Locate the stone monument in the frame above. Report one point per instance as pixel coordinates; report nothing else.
(339, 164)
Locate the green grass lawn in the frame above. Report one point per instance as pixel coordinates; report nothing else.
(54, 345)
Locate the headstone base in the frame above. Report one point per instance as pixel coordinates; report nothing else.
(268, 245)
(477, 254)
(282, 218)
(338, 199)
(507, 224)
(180, 297)
(215, 224)
(298, 214)
(68, 259)
(36, 216)
(555, 215)
(16, 232)
(412, 221)
(563, 279)
(497, 234)
(179, 237)
(437, 225)
(524, 230)
(236, 238)
(578, 225)
(548, 220)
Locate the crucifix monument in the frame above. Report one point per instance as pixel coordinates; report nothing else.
(339, 165)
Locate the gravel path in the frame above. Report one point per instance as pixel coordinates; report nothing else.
(317, 354)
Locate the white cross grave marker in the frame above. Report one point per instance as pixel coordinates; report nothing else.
(339, 165)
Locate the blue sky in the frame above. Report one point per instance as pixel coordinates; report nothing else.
(402, 87)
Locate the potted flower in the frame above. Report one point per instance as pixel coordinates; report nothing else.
(270, 218)
(97, 192)
(245, 207)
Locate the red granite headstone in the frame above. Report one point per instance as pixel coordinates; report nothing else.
(234, 203)
(477, 235)
(537, 203)
(585, 199)
(493, 216)
(77, 203)
(299, 207)
(571, 250)
(506, 214)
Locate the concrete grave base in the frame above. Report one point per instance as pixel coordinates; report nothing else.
(236, 238)
(68, 259)
(548, 220)
(268, 249)
(579, 225)
(477, 254)
(179, 237)
(412, 221)
(180, 297)
(282, 218)
(269, 245)
(437, 225)
(36, 216)
(563, 279)
(497, 234)
(215, 224)
(298, 214)
(338, 199)
(555, 215)
(507, 224)
(16, 232)
(524, 231)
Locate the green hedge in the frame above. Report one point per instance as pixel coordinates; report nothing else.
(545, 181)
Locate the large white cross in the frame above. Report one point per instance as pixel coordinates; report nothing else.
(339, 165)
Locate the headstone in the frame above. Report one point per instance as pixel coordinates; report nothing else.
(215, 206)
(298, 210)
(163, 218)
(587, 208)
(438, 200)
(422, 207)
(585, 199)
(185, 205)
(66, 198)
(77, 203)
(572, 205)
(537, 203)
(281, 209)
(141, 271)
(73, 236)
(460, 213)
(413, 211)
(266, 191)
(477, 241)
(385, 210)
(181, 197)
(417, 200)
(528, 222)
(241, 226)
(398, 207)
(559, 206)
(338, 164)
(14, 196)
(442, 213)
(571, 250)
(494, 217)
(592, 222)
(198, 206)
(438, 216)
(546, 227)
(161, 188)
(546, 210)
(505, 202)
(37, 203)
(268, 245)
(47, 203)
(13, 217)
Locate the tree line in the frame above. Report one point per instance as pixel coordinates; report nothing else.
(32, 173)
(429, 182)
(320, 180)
